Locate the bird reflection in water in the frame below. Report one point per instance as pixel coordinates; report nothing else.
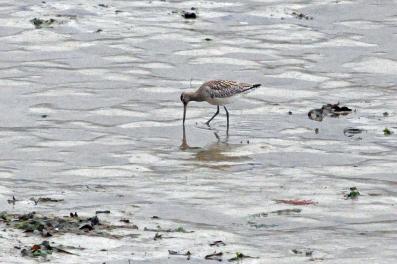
(219, 151)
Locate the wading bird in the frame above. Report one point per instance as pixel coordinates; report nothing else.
(216, 92)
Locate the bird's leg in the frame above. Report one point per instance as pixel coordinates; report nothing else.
(184, 144)
(217, 137)
(217, 112)
(227, 116)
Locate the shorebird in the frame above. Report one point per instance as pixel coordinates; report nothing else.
(216, 92)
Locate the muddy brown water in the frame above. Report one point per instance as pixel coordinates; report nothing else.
(93, 117)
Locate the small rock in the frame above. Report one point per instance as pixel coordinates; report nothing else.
(86, 227)
(73, 215)
(24, 252)
(316, 115)
(94, 220)
(189, 15)
(332, 110)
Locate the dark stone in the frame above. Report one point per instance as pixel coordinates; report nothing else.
(189, 15)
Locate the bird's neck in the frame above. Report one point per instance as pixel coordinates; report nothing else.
(195, 96)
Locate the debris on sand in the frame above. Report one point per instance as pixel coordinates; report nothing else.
(354, 193)
(173, 252)
(304, 252)
(51, 22)
(301, 16)
(296, 202)
(68, 16)
(47, 226)
(214, 256)
(4, 217)
(189, 15)
(161, 230)
(13, 200)
(256, 225)
(385, 114)
(45, 200)
(181, 230)
(332, 110)
(279, 212)
(40, 23)
(350, 132)
(43, 250)
(102, 212)
(387, 132)
(240, 256)
(217, 243)
(157, 236)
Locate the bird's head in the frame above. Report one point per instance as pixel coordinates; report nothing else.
(185, 98)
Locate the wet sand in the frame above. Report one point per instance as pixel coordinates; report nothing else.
(91, 115)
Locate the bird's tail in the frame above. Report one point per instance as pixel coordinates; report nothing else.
(252, 87)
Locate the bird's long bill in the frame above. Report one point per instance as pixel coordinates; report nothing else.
(184, 113)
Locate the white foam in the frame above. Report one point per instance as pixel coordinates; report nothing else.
(374, 65)
(301, 76)
(223, 60)
(118, 112)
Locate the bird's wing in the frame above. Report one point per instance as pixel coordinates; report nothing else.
(224, 88)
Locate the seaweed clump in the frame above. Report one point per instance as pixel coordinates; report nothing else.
(332, 110)
(40, 23)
